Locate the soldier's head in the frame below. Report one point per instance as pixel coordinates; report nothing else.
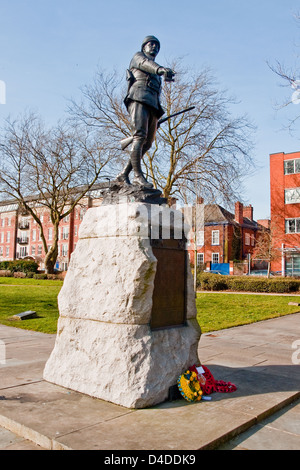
(151, 46)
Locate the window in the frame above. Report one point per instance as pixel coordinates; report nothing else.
(39, 249)
(65, 233)
(7, 237)
(33, 250)
(215, 258)
(23, 251)
(200, 258)
(292, 196)
(7, 251)
(33, 235)
(292, 226)
(50, 233)
(215, 236)
(1, 250)
(64, 251)
(247, 239)
(2, 237)
(292, 166)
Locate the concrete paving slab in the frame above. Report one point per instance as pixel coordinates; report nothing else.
(280, 431)
(11, 441)
(257, 358)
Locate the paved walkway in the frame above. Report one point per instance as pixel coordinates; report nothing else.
(258, 358)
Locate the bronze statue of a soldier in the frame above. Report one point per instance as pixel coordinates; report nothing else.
(143, 104)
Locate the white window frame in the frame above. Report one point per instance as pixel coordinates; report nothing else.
(217, 255)
(64, 250)
(200, 258)
(65, 233)
(292, 196)
(215, 237)
(295, 163)
(247, 239)
(293, 222)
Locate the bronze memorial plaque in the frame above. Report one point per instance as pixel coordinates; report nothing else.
(169, 296)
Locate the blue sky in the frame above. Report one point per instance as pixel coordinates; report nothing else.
(51, 48)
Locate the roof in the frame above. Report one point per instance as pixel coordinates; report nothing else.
(216, 214)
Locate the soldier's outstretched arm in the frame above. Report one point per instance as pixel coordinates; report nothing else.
(146, 65)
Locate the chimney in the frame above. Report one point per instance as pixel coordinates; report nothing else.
(248, 212)
(265, 223)
(238, 212)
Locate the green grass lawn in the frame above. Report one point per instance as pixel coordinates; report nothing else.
(18, 295)
(219, 311)
(215, 311)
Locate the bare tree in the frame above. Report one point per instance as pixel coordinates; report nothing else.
(52, 168)
(290, 77)
(267, 246)
(206, 148)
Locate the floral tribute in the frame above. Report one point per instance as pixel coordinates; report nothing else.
(199, 381)
(189, 386)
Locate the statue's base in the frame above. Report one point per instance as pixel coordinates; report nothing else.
(107, 345)
(121, 192)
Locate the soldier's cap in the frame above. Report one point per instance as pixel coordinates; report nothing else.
(150, 38)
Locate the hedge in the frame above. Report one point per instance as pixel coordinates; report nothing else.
(19, 265)
(217, 282)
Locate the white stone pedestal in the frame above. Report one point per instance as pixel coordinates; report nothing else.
(105, 347)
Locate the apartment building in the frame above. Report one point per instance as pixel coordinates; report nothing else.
(20, 236)
(223, 237)
(285, 211)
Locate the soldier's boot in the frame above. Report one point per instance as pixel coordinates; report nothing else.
(139, 179)
(136, 155)
(123, 176)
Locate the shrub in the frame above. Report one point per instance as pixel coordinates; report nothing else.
(5, 273)
(4, 265)
(40, 276)
(19, 274)
(19, 265)
(215, 282)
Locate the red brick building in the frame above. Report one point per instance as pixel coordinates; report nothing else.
(285, 211)
(226, 236)
(20, 234)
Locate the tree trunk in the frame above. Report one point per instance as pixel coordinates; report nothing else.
(269, 268)
(50, 259)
